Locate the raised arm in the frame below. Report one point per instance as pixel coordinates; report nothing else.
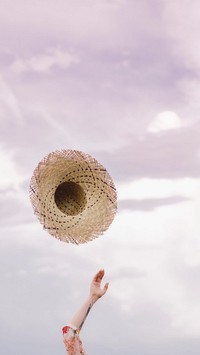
(95, 292)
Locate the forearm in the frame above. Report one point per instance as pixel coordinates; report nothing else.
(80, 316)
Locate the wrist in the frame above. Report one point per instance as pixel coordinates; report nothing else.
(92, 299)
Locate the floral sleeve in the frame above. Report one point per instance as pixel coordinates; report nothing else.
(72, 341)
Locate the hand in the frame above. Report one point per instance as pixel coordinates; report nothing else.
(95, 289)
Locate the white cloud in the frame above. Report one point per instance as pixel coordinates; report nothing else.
(44, 63)
(9, 176)
(164, 244)
(159, 188)
(165, 121)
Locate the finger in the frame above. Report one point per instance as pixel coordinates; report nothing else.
(106, 287)
(96, 276)
(99, 275)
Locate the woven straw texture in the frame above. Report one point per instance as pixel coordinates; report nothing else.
(73, 196)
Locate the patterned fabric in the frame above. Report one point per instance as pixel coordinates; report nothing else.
(72, 341)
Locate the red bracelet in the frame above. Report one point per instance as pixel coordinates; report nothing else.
(65, 329)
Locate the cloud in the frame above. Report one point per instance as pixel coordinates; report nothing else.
(173, 154)
(182, 29)
(44, 63)
(110, 80)
(170, 283)
(149, 204)
(13, 197)
(91, 22)
(182, 24)
(10, 107)
(9, 174)
(165, 121)
(147, 188)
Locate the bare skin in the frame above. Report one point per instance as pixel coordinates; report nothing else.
(96, 292)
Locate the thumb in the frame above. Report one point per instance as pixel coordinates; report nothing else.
(105, 287)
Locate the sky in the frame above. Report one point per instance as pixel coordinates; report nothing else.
(119, 80)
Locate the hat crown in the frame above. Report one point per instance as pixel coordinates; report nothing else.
(70, 198)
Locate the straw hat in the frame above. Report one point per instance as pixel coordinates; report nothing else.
(73, 196)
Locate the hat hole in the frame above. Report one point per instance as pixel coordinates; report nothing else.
(70, 198)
